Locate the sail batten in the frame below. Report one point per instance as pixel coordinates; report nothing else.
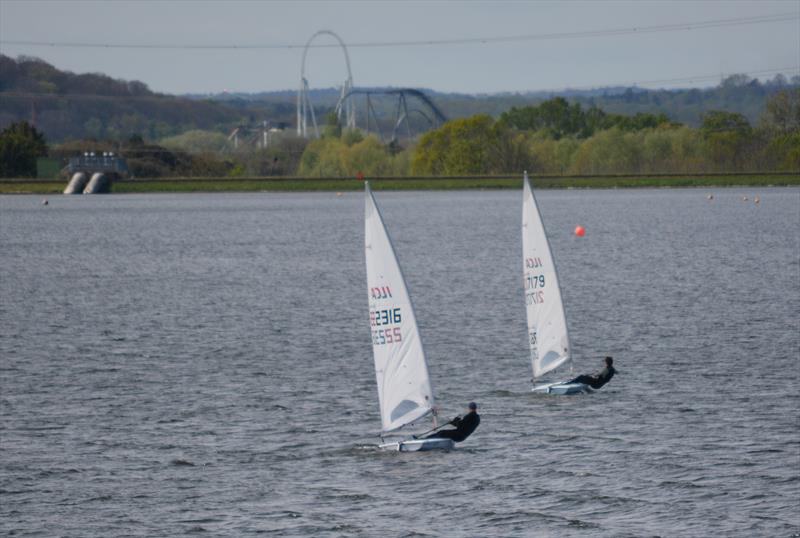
(548, 335)
(404, 389)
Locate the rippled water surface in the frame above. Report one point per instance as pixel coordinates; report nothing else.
(174, 364)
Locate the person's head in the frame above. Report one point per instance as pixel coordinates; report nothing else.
(472, 407)
(609, 361)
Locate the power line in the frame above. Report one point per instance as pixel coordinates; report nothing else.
(686, 26)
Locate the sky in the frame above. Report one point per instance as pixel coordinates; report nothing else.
(677, 58)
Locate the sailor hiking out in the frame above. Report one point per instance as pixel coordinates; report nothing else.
(600, 378)
(464, 426)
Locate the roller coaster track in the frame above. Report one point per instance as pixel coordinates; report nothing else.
(346, 106)
(402, 111)
(304, 105)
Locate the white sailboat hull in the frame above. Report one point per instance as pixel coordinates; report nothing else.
(562, 388)
(419, 445)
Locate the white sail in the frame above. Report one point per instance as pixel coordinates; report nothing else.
(547, 323)
(404, 389)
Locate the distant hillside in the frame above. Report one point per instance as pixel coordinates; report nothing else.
(68, 106)
(737, 93)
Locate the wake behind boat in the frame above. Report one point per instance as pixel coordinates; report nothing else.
(404, 388)
(548, 335)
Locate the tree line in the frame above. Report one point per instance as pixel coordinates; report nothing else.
(554, 137)
(561, 138)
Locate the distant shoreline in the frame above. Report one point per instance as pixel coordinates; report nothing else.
(292, 184)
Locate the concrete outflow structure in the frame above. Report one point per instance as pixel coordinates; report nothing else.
(101, 168)
(98, 184)
(77, 183)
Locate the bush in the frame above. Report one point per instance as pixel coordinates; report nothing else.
(332, 157)
(196, 141)
(20, 145)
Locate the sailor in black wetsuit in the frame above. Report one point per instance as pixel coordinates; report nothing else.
(464, 426)
(600, 378)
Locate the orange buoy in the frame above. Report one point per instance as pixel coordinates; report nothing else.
(580, 231)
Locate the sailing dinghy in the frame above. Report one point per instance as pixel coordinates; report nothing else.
(548, 335)
(404, 388)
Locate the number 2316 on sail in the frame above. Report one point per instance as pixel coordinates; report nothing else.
(382, 318)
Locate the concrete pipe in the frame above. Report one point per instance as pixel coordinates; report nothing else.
(76, 184)
(98, 184)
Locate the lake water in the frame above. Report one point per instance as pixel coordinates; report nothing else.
(173, 364)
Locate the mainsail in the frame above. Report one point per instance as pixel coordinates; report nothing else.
(547, 323)
(404, 389)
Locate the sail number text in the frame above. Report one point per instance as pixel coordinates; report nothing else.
(384, 317)
(533, 289)
(534, 281)
(381, 318)
(381, 292)
(533, 263)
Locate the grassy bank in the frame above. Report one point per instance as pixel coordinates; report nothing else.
(412, 183)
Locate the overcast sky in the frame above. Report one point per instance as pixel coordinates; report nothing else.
(536, 64)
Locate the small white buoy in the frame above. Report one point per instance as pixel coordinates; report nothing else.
(338, 194)
(45, 202)
(710, 197)
(744, 198)
(757, 200)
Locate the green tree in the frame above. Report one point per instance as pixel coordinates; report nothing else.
(669, 149)
(728, 139)
(401, 162)
(782, 152)
(721, 121)
(782, 112)
(458, 147)
(596, 120)
(637, 122)
(780, 128)
(20, 145)
(332, 127)
(558, 118)
(612, 151)
(352, 136)
(332, 157)
(196, 141)
(370, 157)
(548, 156)
(555, 116)
(323, 157)
(94, 128)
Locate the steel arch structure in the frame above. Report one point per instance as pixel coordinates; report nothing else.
(402, 112)
(304, 106)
